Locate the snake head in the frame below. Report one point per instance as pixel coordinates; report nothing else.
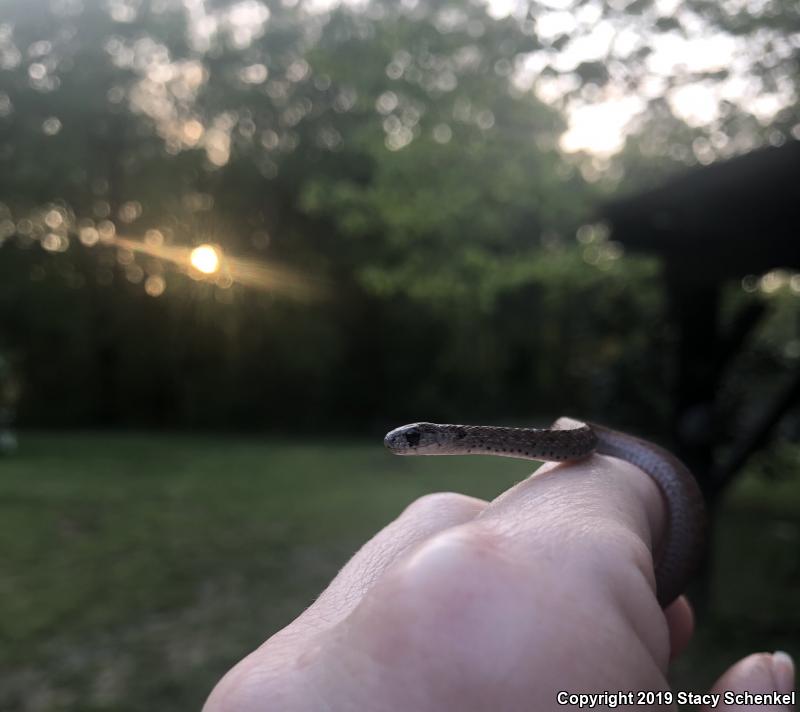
(414, 439)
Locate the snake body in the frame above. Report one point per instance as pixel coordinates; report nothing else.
(682, 544)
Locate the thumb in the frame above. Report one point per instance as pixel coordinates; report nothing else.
(758, 674)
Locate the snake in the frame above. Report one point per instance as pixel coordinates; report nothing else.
(682, 545)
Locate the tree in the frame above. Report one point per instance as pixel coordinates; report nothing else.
(391, 152)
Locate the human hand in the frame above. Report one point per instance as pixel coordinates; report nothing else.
(461, 604)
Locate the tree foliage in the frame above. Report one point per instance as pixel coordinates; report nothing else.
(392, 154)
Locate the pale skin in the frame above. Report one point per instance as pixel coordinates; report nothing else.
(463, 604)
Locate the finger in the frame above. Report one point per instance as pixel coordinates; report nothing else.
(422, 519)
(592, 523)
(600, 489)
(759, 673)
(602, 504)
(680, 620)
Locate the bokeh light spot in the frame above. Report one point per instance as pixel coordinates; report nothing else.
(155, 285)
(154, 238)
(130, 211)
(51, 126)
(53, 219)
(89, 236)
(55, 243)
(134, 273)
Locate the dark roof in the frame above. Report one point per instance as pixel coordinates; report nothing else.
(728, 219)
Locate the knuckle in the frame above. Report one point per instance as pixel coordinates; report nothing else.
(443, 504)
(449, 595)
(459, 558)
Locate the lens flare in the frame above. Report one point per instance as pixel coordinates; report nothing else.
(205, 259)
(224, 270)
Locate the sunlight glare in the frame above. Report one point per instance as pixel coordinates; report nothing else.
(600, 128)
(205, 259)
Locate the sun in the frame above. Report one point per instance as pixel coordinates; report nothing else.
(205, 259)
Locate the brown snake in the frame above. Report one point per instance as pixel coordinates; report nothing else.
(684, 535)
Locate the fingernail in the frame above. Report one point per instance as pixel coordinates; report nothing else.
(783, 671)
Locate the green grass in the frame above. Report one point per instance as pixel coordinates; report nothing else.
(136, 569)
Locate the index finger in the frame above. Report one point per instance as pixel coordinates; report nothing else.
(598, 522)
(591, 496)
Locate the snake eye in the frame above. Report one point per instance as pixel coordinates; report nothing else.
(412, 437)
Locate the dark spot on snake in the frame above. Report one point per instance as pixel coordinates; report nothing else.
(412, 437)
(461, 433)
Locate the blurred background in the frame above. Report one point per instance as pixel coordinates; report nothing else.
(241, 240)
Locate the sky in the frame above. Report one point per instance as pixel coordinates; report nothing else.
(598, 126)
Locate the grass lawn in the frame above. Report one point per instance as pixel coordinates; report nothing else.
(137, 568)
